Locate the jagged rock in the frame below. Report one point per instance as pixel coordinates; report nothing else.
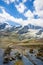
(7, 51)
(31, 50)
(19, 55)
(7, 55)
(6, 59)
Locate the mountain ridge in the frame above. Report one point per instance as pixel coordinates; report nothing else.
(28, 31)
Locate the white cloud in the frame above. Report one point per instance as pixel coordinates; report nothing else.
(8, 1)
(38, 4)
(24, 1)
(21, 7)
(28, 14)
(36, 21)
(4, 17)
(11, 1)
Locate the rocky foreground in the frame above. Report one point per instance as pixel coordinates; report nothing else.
(27, 56)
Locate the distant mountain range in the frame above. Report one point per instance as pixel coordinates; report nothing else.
(7, 27)
(27, 31)
(26, 28)
(3, 25)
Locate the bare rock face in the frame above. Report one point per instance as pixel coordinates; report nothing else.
(31, 50)
(19, 55)
(6, 59)
(7, 51)
(7, 55)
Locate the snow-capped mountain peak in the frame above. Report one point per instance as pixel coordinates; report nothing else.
(4, 25)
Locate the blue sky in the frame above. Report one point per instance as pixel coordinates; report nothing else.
(21, 12)
(11, 9)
